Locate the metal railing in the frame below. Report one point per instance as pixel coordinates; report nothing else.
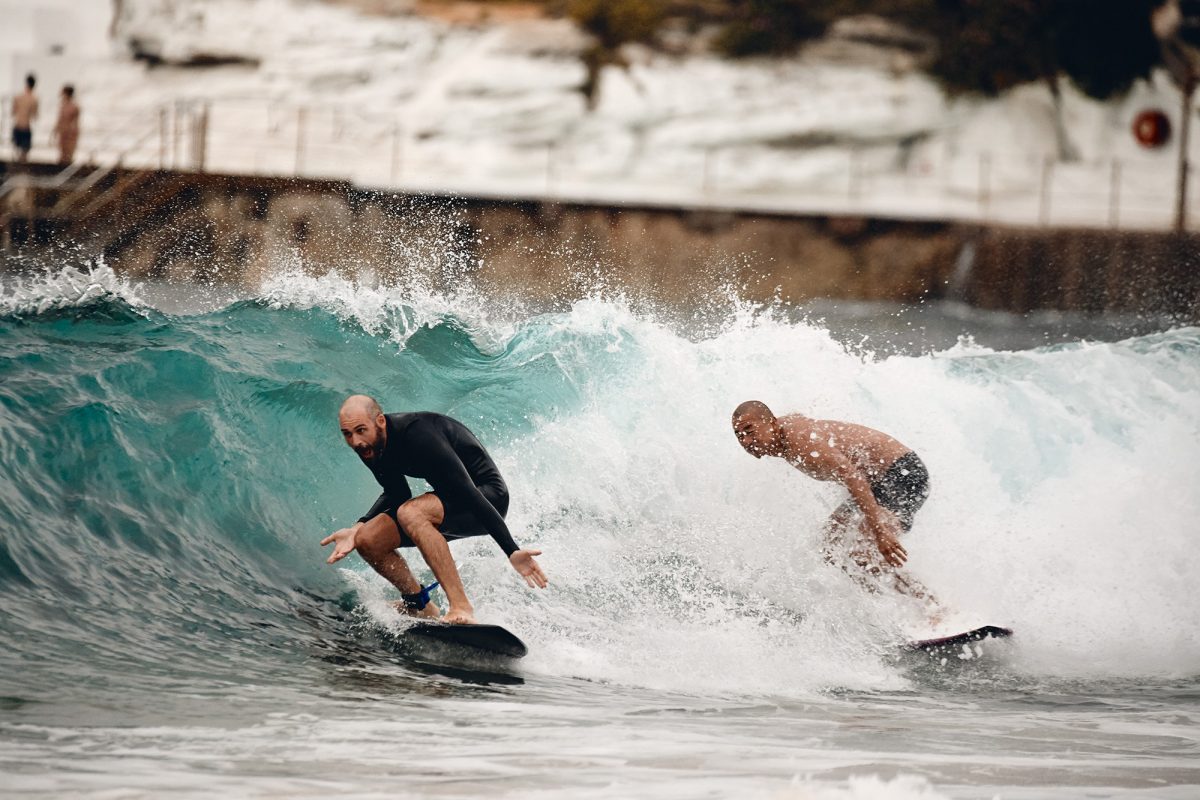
(380, 150)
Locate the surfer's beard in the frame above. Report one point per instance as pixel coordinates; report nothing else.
(376, 451)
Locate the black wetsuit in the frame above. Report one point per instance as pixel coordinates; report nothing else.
(901, 489)
(446, 454)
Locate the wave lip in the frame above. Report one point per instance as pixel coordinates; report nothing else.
(69, 288)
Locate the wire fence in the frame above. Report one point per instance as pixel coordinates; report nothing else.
(927, 180)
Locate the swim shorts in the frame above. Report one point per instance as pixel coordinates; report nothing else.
(459, 522)
(902, 489)
(22, 138)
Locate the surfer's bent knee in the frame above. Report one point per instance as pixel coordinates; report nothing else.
(380, 534)
(417, 511)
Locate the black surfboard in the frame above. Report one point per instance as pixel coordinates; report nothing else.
(953, 645)
(486, 639)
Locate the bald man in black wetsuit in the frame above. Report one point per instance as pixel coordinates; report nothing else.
(469, 498)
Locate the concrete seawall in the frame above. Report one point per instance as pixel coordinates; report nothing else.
(196, 227)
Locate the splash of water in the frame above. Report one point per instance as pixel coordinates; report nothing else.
(189, 464)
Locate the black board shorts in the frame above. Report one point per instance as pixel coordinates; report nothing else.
(22, 138)
(902, 489)
(459, 522)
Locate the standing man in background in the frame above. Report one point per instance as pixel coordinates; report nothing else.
(66, 129)
(24, 111)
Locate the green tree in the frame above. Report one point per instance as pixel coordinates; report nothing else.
(1105, 47)
(612, 23)
(615, 22)
(771, 26)
(989, 46)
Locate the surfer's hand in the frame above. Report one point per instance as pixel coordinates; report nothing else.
(887, 538)
(524, 563)
(345, 539)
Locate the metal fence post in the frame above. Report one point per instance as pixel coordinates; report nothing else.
(1114, 194)
(396, 152)
(301, 121)
(200, 138)
(709, 170)
(949, 156)
(853, 187)
(175, 135)
(985, 185)
(1047, 177)
(162, 137)
(1185, 128)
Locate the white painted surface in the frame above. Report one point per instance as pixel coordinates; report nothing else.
(413, 104)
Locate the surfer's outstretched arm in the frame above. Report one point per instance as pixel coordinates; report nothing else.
(879, 524)
(850, 546)
(908, 585)
(528, 568)
(347, 539)
(376, 541)
(446, 471)
(344, 540)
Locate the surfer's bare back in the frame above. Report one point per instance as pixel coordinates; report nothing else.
(469, 498)
(887, 481)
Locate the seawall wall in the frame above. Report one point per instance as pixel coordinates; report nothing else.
(202, 227)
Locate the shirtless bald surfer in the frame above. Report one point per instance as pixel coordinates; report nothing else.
(469, 498)
(887, 482)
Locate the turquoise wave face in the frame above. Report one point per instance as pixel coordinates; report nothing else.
(168, 479)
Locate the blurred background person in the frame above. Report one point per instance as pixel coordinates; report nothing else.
(24, 111)
(66, 129)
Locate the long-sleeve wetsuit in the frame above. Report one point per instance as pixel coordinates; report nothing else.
(448, 456)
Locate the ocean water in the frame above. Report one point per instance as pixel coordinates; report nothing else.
(169, 462)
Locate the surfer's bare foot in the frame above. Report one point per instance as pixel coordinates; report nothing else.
(458, 615)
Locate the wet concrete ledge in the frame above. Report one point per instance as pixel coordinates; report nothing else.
(233, 228)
